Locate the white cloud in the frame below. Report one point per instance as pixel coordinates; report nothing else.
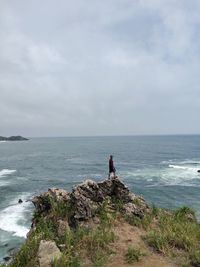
(105, 67)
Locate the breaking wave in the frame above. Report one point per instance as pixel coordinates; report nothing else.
(183, 173)
(6, 172)
(13, 219)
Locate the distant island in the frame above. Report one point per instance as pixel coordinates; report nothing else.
(13, 138)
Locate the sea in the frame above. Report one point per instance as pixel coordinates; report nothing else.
(162, 169)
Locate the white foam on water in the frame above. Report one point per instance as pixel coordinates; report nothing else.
(6, 172)
(12, 218)
(4, 183)
(178, 167)
(182, 173)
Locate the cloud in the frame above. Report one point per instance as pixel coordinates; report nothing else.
(108, 67)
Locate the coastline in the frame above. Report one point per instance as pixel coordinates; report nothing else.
(109, 213)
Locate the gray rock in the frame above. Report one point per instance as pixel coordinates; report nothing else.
(42, 203)
(89, 189)
(63, 226)
(87, 197)
(47, 252)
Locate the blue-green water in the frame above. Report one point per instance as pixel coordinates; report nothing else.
(163, 169)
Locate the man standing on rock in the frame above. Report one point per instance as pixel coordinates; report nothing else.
(111, 166)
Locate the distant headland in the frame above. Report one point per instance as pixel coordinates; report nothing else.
(13, 138)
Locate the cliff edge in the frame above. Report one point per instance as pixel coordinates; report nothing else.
(104, 224)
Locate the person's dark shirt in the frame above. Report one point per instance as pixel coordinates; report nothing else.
(111, 166)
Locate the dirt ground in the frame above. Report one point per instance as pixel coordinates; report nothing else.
(131, 236)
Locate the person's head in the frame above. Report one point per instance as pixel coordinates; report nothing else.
(111, 156)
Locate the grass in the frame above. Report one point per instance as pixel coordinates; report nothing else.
(60, 209)
(195, 258)
(99, 259)
(133, 255)
(86, 243)
(167, 232)
(82, 242)
(118, 204)
(104, 213)
(177, 230)
(143, 222)
(67, 261)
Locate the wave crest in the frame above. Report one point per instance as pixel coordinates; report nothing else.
(6, 172)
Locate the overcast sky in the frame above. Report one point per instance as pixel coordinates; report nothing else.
(90, 67)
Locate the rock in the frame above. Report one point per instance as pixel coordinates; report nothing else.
(59, 194)
(47, 252)
(63, 226)
(7, 258)
(20, 201)
(89, 189)
(84, 208)
(42, 202)
(86, 198)
(133, 209)
(191, 217)
(116, 188)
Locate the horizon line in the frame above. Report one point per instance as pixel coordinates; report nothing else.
(120, 135)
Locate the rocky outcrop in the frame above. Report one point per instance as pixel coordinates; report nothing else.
(43, 202)
(47, 252)
(13, 138)
(87, 197)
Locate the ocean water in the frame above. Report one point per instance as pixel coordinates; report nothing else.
(163, 169)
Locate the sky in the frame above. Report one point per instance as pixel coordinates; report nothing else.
(90, 67)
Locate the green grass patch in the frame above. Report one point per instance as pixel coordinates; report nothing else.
(143, 222)
(177, 230)
(133, 255)
(86, 243)
(58, 208)
(67, 260)
(105, 214)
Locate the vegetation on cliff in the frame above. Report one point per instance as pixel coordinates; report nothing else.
(103, 224)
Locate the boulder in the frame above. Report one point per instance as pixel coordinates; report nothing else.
(47, 252)
(133, 209)
(63, 226)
